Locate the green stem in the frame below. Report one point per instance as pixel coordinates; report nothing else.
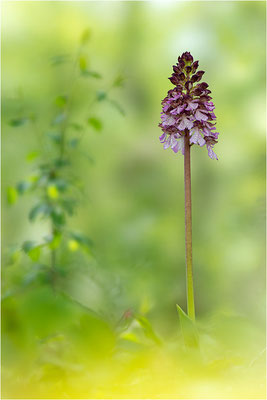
(68, 106)
(53, 262)
(188, 230)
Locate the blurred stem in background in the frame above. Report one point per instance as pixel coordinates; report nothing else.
(61, 149)
(54, 184)
(188, 231)
(72, 81)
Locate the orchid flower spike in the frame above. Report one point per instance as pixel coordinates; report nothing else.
(188, 108)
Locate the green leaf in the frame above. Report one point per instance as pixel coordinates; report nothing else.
(44, 167)
(188, 328)
(59, 119)
(13, 253)
(74, 142)
(73, 245)
(54, 240)
(82, 63)
(12, 195)
(59, 59)
(32, 156)
(86, 35)
(42, 209)
(16, 122)
(148, 330)
(52, 192)
(117, 106)
(87, 156)
(37, 272)
(34, 179)
(55, 137)
(35, 253)
(61, 101)
(28, 245)
(76, 126)
(101, 95)
(82, 239)
(131, 337)
(119, 81)
(95, 123)
(32, 250)
(23, 186)
(68, 205)
(91, 74)
(61, 162)
(58, 217)
(60, 183)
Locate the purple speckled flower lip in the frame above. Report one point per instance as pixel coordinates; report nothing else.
(188, 108)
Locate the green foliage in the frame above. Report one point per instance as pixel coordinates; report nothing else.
(74, 142)
(76, 126)
(54, 240)
(188, 328)
(85, 71)
(59, 119)
(54, 186)
(32, 249)
(12, 195)
(83, 63)
(104, 96)
(59, 59)
(32, 156)
(54, 136)
(86, 35)
(24, 186)
(61, 101)
(82, 240)
(101, 95)
(41, 209)
(91, 74)
(17, 122)
(95, 123)
(119, 81)
(148, 329)
(117, 106)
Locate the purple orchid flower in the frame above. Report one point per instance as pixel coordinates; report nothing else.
(188, 109)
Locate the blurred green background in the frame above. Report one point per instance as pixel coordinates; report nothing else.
(133, 203)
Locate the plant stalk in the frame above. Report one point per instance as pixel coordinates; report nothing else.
(188, 230)
(53, 263)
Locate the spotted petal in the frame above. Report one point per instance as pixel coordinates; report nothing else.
(201, 116)
(211, 153)
(196, 138)
(185, 123)
(162, 137)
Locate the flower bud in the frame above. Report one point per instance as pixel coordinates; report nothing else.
(187, 58)
(194, 78)
(181, 76)
(188, 69)
(174, 79)
(200, 74)
(181, 64)
(188, 85)
(194, 66)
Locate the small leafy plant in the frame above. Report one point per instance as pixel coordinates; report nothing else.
(53, 185)
(188, 118)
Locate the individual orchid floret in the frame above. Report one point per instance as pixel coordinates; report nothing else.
(187, 109)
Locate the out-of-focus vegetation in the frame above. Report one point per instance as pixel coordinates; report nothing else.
(106, 326)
